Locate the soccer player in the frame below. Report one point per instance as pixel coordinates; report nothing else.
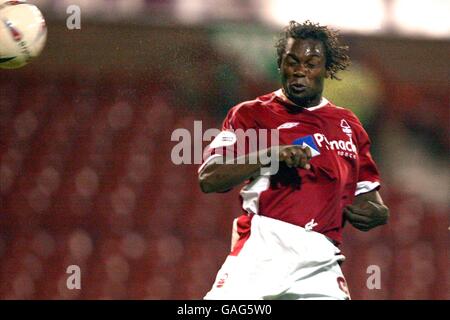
(292, 220)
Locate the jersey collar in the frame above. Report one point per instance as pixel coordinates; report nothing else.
(280, 94)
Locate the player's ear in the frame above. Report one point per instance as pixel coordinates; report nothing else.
(279, 64)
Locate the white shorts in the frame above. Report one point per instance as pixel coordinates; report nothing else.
(281, 261)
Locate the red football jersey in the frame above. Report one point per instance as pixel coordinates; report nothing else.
(341, 167)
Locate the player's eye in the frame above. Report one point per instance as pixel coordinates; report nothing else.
(292, 62)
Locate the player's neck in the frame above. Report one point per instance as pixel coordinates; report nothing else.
(317, 102)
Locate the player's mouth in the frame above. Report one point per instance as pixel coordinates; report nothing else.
(297, 87)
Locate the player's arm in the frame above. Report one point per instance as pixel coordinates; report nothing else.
(218, 175)
(367, 211)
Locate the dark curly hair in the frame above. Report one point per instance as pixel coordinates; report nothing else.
(336, 54)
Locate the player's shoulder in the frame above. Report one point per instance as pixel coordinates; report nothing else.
(343, 112)
(248, 108)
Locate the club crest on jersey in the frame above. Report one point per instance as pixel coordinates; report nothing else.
(308, 141)
(346, 127)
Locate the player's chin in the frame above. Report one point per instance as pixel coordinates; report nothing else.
(300, 98)
(301, 93)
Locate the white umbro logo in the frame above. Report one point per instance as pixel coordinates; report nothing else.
(288, 125)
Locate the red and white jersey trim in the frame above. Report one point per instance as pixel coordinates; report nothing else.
(251, 192)
(366, 186)
(323, 101)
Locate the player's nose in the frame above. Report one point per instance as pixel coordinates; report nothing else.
(299, 72)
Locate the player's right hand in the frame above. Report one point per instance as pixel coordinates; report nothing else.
(295, 156)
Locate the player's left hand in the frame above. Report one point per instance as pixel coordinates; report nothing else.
(366, 215)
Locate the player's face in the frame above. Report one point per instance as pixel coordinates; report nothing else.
(303, 71)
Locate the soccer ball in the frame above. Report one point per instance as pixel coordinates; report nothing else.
(22, 33)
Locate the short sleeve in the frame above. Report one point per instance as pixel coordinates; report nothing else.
(232, 141)
(368, 174)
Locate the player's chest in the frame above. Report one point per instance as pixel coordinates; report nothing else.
(330, 137)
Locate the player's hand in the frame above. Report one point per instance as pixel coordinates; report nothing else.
(367, 215)
(295, 156)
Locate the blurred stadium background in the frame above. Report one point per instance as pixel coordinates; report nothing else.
(86, 176)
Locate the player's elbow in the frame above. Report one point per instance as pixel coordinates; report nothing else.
(206, 185)
(211, 181)
(386, 214)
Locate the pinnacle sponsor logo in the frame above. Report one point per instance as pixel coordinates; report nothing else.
(308, 141)
(339, 145)
(345, 148)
